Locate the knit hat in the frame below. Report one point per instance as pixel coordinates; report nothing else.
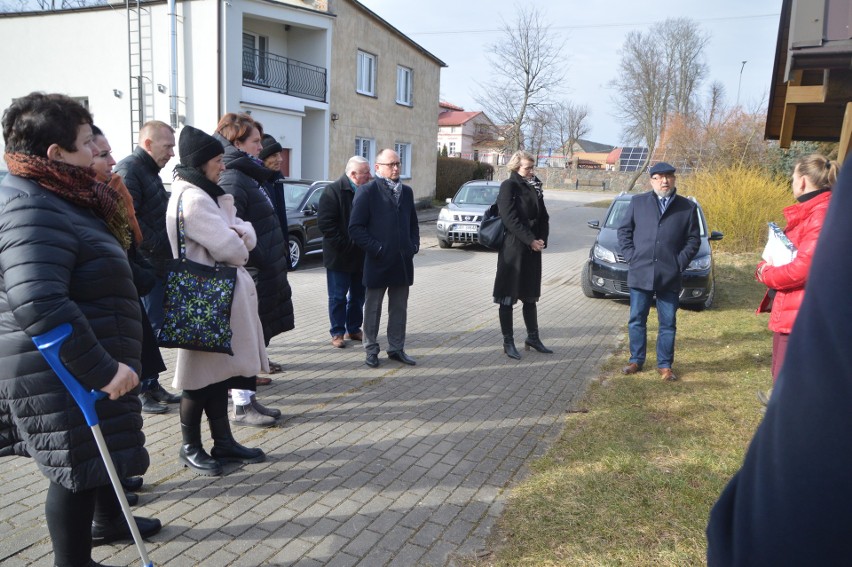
(270, 146)
(197, 148)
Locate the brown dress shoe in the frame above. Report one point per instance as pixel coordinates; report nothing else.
(263, 381)
(667, 374)
(337, 341)
(631, 368)
(356, 336)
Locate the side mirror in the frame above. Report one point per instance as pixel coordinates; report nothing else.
(716, 235)
(449, 200)
(594, 224)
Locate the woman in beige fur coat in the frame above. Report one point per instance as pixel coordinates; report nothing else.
(213, 233)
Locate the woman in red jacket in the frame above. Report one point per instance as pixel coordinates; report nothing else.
(813, 177)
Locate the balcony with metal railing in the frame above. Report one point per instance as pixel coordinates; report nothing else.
(264, 70)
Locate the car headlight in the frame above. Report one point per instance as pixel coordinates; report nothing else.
(699, 264)
(445, 215)
(604, 254)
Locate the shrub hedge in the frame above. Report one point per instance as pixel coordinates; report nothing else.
(739, 201)
(454, 172)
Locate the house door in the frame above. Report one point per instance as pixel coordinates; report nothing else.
(285, 162)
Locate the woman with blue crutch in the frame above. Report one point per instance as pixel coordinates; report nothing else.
(63, 241)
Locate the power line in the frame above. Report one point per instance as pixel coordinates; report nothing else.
(596, 26)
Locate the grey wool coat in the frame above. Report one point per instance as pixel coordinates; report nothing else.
(211, 232)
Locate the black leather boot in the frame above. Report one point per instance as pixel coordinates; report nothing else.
(226, 448)
(531, 322)
(193, 455)
(532, 341)
(509, 347)
(505, 314)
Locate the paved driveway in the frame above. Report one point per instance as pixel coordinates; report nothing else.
(389, 466)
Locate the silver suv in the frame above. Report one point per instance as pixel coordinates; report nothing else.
(459, 221)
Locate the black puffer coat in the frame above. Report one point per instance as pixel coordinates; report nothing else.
(270, 257)
(141, 175)
(525, 218)
(59, 264)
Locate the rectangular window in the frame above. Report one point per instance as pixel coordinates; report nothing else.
(404, 151)
(366, 148)
(366, 74)
(451, 150)
(403, 86)
(255, 60)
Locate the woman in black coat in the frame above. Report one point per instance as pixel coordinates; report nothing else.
(522, 210)
(63, 241)
(243, 178)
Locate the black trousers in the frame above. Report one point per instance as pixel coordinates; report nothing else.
(69, 520)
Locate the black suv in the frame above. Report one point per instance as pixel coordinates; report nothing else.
(605, 274)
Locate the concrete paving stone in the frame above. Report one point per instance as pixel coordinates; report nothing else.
(416, 516)
(353, 525)
(327, 547)
(385, 521)
(292, 553)
(428, 534)
(396, 538)
(342, 560)
(321, 528)
(376, 557)
(446, 513)
(407, 556)
(458, 531)
(437, 554)
(362, 543)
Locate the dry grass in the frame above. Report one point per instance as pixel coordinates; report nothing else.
(632, 481)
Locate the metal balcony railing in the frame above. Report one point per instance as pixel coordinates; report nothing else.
(272, 72)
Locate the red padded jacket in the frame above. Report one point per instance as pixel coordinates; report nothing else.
(804, 223)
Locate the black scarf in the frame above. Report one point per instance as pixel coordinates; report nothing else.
(197, 178)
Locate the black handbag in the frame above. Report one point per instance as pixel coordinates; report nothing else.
(197, 304)
(491, 229)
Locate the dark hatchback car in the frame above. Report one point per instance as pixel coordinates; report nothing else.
(605, 274)
(302, 199)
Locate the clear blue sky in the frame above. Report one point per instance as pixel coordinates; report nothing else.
(459, 31)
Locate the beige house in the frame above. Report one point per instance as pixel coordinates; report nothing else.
(383, 92)
(468, 135)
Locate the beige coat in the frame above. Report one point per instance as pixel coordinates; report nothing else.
(215, 234)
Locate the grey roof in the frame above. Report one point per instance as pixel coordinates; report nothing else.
(589, 146)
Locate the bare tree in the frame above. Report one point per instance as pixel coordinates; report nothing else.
(659, 73)
(528, 65)
(569, 123)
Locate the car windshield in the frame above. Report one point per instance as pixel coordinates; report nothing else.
(616, 214)
(476, 195)
(294, 194)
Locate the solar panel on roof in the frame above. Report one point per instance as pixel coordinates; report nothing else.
(632, 158)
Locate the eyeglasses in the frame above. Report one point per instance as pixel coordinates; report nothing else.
(392, 164)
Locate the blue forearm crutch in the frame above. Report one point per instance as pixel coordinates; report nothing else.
(49, 344)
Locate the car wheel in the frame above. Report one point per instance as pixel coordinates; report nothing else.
(586, 283)
(296, 248)
(444, 243)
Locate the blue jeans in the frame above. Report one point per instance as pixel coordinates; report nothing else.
(637, 328)
(345, 301)
(153, 304)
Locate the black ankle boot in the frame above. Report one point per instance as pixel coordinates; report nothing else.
(532, 341)
(193, 455)
(226, 448)
(509, 347)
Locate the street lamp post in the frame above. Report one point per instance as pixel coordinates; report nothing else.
(740, 83)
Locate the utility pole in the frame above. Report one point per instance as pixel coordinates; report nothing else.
(740, 82)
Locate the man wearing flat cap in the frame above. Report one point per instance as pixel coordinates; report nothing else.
(658, 237)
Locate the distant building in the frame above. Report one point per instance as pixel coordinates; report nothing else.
(469, 135)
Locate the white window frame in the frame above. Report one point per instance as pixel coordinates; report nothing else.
(365, 75)
(451, 149)
(366, 148)
(403, 149)
(404, 85)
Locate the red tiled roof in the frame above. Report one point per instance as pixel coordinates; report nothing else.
(450, 106)
(613, 156)
(453, 118)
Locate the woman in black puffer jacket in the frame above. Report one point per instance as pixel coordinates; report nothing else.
(244, 174)
(62, 260)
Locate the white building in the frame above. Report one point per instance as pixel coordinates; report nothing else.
(273, 63)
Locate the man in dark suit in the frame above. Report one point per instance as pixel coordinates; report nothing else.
(384, 225)
(658, 237)
(343, 260)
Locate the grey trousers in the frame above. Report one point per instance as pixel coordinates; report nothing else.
(397, 317)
